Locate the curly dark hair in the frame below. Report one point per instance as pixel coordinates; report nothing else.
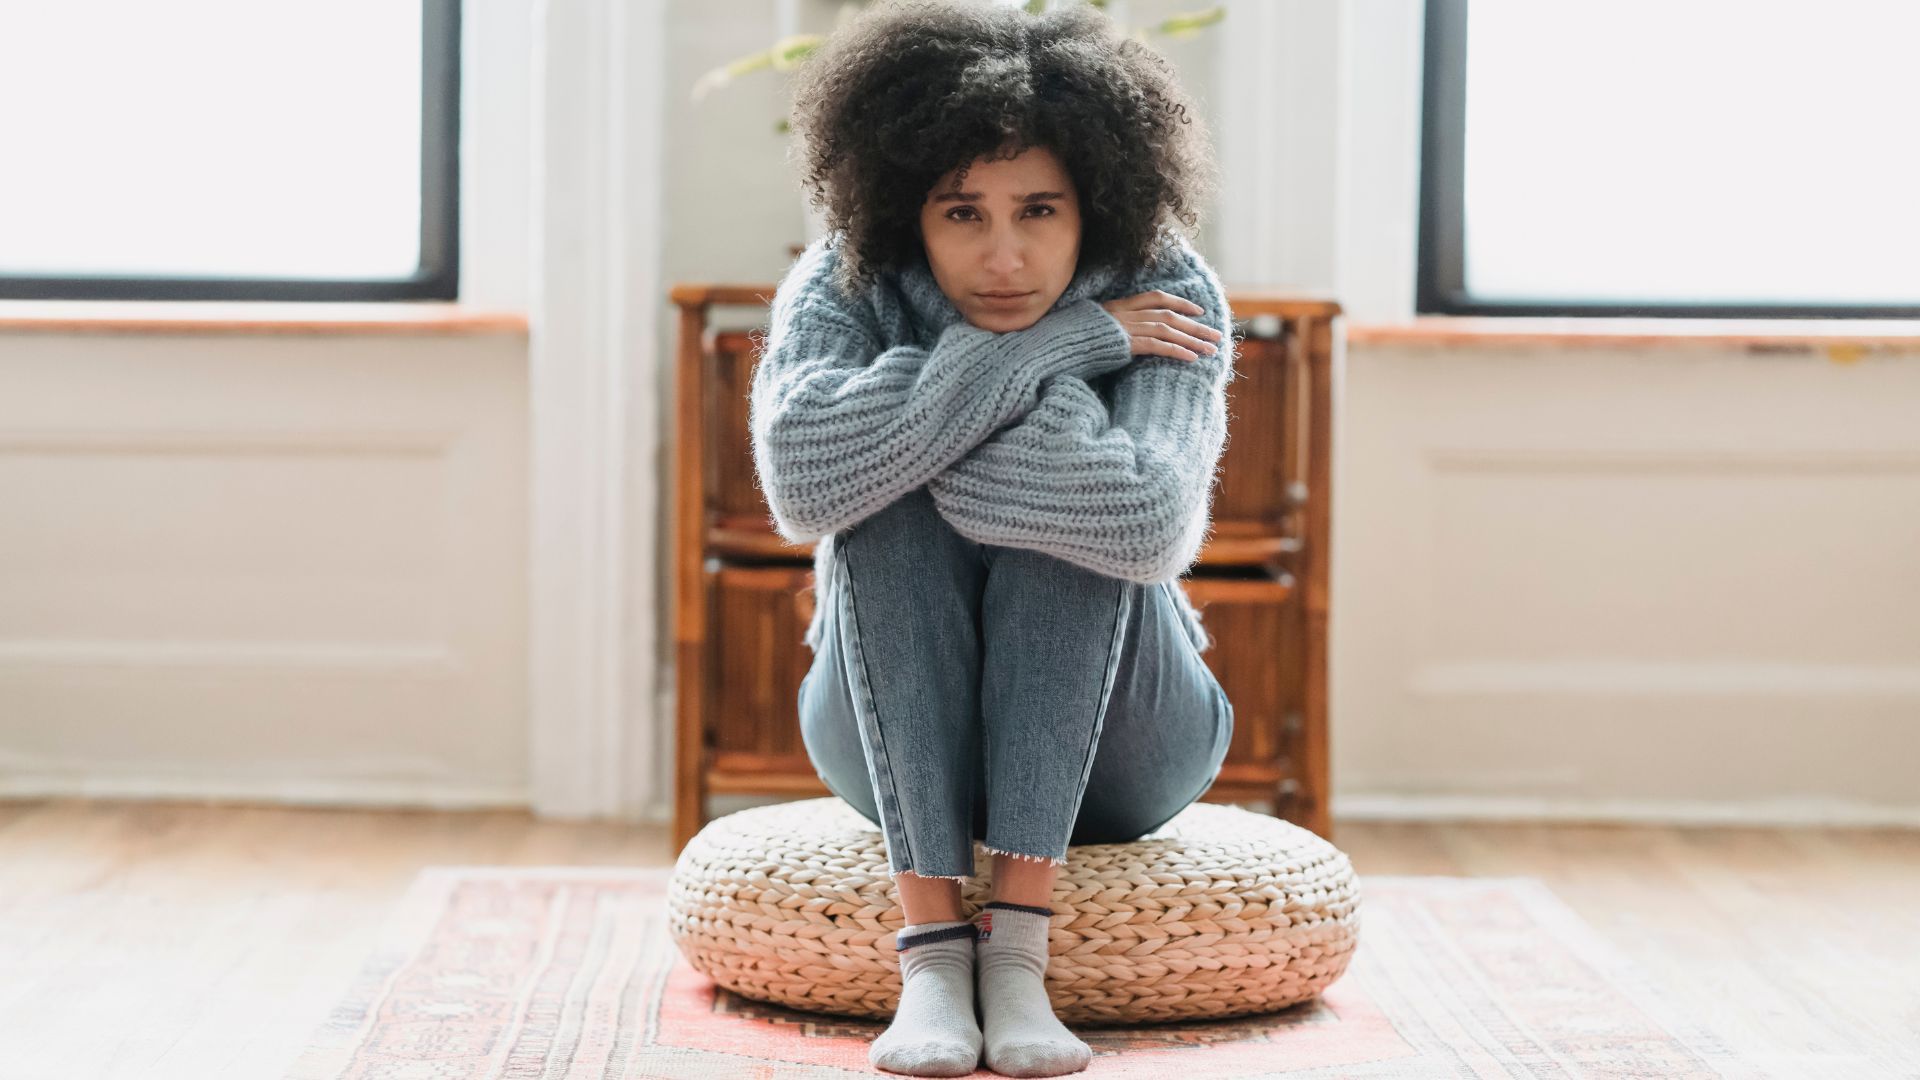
(907, 91)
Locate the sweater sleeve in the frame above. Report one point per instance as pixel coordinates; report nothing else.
(842, 425)
(1125, 491)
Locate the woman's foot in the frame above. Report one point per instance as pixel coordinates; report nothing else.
(934, 1031)
(1022, 1036)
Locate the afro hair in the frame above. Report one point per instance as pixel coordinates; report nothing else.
(909, 90)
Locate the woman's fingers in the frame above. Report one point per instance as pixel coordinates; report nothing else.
(1197, 328)
(1157, 322)
(1188, 346)
(1153, 346)
(1176, 309)
(1173, 329)
(1160, 338)
(1160, 298)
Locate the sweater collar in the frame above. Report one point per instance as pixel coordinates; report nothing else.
(934, 312)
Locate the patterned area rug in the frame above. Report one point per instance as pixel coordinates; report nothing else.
(554, 973)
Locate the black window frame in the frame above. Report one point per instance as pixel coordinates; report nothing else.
(438, 277)
(1441, 273)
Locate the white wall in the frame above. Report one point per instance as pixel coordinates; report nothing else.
(276, 569)
(285, 567)
(1666, 583)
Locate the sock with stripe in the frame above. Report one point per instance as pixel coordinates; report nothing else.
(1022, 1036)
(934, 1030)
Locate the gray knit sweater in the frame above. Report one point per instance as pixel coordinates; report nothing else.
(1054, 438)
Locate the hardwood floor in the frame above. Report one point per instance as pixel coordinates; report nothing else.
(161, 940)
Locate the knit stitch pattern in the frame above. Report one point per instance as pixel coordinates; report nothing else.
(1055, 438)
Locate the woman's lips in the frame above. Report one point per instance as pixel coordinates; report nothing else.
(1003, 301)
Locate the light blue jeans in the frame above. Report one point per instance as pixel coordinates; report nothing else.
(969, 691)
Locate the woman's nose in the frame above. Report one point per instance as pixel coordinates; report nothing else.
(1006, 257)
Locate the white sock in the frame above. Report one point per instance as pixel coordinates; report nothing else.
(1023, 1037)
(934, 1030)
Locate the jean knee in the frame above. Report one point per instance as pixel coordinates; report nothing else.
(1053, 575)
(1015, 560)
(911, 515)
(831, 739)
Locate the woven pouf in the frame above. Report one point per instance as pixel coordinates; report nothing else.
(1221, 912)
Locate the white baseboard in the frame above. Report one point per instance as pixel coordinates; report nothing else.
(1756, 812)
(368, 794)
(1499, 808)
(347, 792)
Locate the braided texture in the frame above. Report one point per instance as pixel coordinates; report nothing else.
(1222, 912)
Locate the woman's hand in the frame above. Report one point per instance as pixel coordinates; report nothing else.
(1160, 324)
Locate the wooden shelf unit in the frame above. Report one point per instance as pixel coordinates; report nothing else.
(743, 595)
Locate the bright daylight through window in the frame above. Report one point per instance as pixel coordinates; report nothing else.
(218, 139)
(1699, 152)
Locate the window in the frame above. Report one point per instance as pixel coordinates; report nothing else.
(230, 150)
(1670, 157)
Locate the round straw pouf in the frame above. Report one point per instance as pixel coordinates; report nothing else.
(1220, 912)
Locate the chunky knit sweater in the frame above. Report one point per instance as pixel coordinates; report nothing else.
(1054, 438)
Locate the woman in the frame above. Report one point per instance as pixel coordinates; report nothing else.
(994, 394)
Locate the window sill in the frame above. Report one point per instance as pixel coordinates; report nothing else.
(1835, 336)
(237, 317)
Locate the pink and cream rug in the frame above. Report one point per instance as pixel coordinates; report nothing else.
(548, 973)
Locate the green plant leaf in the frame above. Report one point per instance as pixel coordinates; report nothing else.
(1190, 23)
(784, 55)
(790, 53)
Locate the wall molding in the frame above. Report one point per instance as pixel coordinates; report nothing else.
(35, 654)
(370, 783)
(1620, 678)
(1787, 813)
(593, 722)
(1845, 460)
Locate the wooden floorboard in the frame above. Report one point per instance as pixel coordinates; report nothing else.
(161, 940)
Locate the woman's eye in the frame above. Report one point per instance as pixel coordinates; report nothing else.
(970, 215)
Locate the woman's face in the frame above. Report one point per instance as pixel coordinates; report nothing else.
(1013, 229)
